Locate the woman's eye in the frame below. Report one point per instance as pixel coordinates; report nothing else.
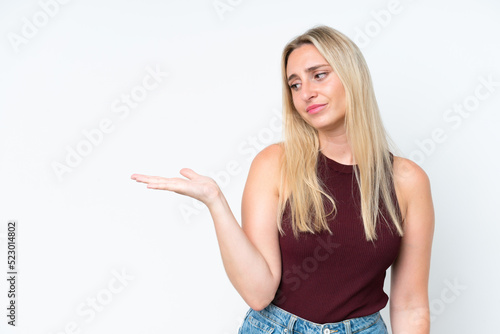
(321, 74)
(294, 86)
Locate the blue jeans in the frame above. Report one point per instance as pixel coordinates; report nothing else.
(275, 320)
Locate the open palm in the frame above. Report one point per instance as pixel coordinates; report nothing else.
(200, 187)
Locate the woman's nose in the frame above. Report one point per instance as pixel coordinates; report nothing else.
(308, 90)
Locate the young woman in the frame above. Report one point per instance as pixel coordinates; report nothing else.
(326, 211)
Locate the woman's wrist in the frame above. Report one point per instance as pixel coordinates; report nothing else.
(216, 201)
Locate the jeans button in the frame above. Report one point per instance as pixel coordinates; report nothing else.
(326, 331)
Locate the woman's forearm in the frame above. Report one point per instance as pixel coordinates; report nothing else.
(245, 266)
(410, 320)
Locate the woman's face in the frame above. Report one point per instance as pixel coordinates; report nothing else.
(313, 82)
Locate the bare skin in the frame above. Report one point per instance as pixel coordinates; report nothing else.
(252, 245)
(200, 187)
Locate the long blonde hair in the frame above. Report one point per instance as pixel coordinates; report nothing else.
(300, 185)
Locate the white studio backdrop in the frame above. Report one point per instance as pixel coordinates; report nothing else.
(95, 91)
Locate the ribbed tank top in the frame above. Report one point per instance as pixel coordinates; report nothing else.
(329, 278)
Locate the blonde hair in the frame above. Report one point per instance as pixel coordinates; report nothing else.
(365, 132)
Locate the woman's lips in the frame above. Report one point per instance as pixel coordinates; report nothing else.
(317, 109)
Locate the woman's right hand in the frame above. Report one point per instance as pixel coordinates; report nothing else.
(200, 187)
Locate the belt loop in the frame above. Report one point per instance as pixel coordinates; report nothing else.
(291, 323)
(347, 324)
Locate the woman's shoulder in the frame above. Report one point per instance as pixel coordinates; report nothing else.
(267, 163)
(409, 180)
(408, 172)
(272, 152)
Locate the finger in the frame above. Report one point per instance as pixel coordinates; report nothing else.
(171, 185)
(138, 177)
(188, 172)
(148, 179)
(142, 178)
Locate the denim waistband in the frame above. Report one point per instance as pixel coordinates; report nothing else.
(291, 322)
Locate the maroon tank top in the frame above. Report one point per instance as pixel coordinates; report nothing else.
(329, 278)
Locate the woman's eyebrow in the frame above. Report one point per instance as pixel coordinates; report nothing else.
(310, 69)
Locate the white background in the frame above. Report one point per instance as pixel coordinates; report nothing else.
(218, 105)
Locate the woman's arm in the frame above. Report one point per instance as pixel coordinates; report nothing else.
(250, 253)
(409, 300)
